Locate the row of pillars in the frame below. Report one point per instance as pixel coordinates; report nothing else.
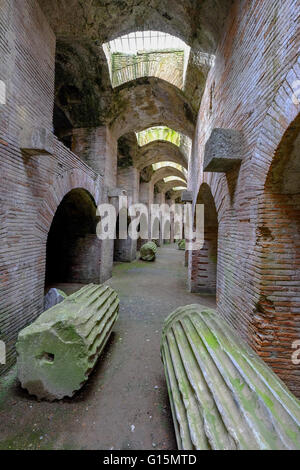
(98, 148)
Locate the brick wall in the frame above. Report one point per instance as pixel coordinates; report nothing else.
(129, 179)
(204, 265)
(250, 89)
(27, 50)
(203, 278)
(86, 260)
(277, 312)
(31, 187)
(98, 148)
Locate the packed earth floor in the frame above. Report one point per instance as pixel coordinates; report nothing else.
(124, 405)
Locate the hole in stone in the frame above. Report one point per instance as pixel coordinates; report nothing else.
(47, 357)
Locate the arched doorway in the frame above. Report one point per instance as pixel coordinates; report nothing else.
(277, 312)
(203, 277)
(73, 249)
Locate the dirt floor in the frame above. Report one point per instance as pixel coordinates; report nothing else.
(125, 404)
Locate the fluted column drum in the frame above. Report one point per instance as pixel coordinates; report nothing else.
(222, 395)
(59, 350)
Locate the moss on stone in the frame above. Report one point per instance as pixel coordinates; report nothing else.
(58, 351)
(210, 367)
(125, 158)
(181, 245)
(148, 251)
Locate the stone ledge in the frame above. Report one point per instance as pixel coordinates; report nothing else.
(37, 141)
(117, 192)
(223, 150)
(187, 196)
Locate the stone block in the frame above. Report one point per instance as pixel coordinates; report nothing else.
(117, 192)
(148, 251)
(223, 150)
(57, 353)
(223, 396)
(187, 196)
(53, 297)
(181, 245)
(37, 141)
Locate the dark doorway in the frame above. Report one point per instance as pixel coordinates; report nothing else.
(73, 249)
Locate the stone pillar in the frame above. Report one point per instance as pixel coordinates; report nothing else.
(97, 147)
(146, 193)
(193, 167)
(169, 202)
(129, 180)
(203, 264)
(146, 197)
(160, 199)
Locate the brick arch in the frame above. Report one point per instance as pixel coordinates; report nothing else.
(220, 191)
(284, 166)
(165, 187)
(166, 171)
(279, 117)
(205, 196)
(203, 263)
(61, 186)
(149, 102)
(159, 151)
(277, 310)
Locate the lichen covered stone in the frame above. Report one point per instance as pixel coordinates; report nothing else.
(181, 245)
(59, 350)
(148, 251)
(223, 396)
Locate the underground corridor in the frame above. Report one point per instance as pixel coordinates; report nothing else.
(124, 405)
(149, 225)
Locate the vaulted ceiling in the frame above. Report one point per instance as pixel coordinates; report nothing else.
(197, 22)
(84, 95)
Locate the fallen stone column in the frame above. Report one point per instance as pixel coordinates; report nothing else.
(223, 396)
(59, 350)
(148, 251)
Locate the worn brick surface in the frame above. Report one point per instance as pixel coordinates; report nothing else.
(250, 89)
(31, 187)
